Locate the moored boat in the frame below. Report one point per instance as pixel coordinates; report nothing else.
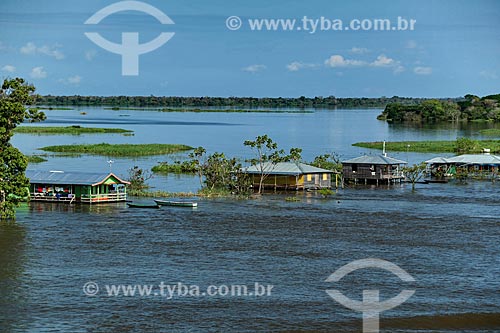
(176, 203)
(138, 205)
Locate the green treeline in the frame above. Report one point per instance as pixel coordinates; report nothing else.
(470, 108)
(330, 102)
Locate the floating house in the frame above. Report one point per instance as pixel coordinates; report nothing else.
(475, 165)
(76, 187)
(373, 169)
(291, 176)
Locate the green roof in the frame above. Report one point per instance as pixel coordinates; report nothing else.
(285, 168)
(374, 159)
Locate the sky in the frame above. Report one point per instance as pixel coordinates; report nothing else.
(453, 50)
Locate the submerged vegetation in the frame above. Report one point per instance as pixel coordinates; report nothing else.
(460, 146)
(73, 130)
(176, 167)
(118, 150)
(471, 108)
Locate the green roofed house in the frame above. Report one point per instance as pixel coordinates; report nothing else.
(291, 175)
(80, 187)
(374, 169)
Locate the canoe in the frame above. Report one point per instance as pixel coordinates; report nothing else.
(436, 181)
(136, 205)
(176, 203)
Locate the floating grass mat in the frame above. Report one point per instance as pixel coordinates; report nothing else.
(118, 150)
(491, 132)
(71, 130)
(429, 146)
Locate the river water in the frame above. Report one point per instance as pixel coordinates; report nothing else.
(445, 236)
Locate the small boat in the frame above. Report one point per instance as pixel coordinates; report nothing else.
(176, 203)
(137, 205)
(436, 181)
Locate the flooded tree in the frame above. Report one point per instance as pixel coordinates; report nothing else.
(268, 155)
(198, 160)
(16, 96)
(414, 173)
(138, 178)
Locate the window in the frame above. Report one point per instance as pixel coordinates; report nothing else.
(309, 177)
(325, 176)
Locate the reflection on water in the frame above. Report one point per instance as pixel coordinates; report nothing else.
(13, 294)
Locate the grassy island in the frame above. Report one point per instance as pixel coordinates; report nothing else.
(495, 132)
(71, 130)
(35, 159)
(433, 146)
(119, 150)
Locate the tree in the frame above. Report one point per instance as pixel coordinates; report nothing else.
(137, 178)
(225, 174)
(16, 96)
(414, 173)
(268, 155)
(328, 161)
(198, 159)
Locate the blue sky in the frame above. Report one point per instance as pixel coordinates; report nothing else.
(453, 50)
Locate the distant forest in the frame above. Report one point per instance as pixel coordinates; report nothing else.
(471, 108)
(330, 102)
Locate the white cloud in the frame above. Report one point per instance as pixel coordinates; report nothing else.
(359, 50)
(411, 44)
(339, 61)
(383, 61)
(254, 68)
(8, 69)
(90, 54)
(29, 48)
(398, 69)
(72, 80)
(490, 75)
(38, 73)
(51, 51)
(420, 70)
(297, 65)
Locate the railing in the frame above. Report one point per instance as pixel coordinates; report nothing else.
(43, 197)
(93, 198)
(363, 174)
(108, 197)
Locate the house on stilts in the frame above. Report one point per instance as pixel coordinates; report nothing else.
(76, 187)
(378, 169)
(291, 176)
